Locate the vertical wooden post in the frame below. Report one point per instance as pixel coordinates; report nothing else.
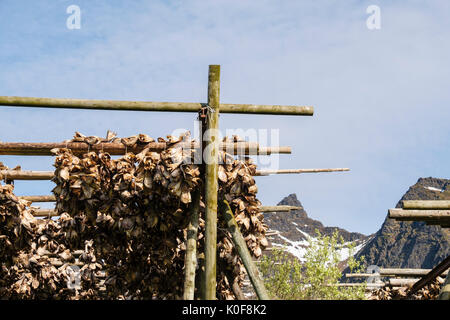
(190, 264)
(241, 248)
(210, 155)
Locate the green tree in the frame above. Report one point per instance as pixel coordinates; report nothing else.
(317, 277)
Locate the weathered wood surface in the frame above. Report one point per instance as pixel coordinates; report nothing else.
(397, 272)
(297, 171)
(426, 204)
(211, 153)
(429, 277)
(25, 175)
(151, 106)
(419, 215)
(274, 150)
(191, 249)
(241, 248)
(278, 208)
(370, 286)
(401, 282)
(45, 213)
(51, 198)
(48, 175)
(44, 149)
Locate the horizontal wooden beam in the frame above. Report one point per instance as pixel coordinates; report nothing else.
(48, 175)
(396, 272)
(50, 198)
(152, 106)
(391, 283)
(25, 175)
(44, 149)
(358, 284)
(273, 150)
(419, 215)
(298, 171)
(45, 213)
(406, 271)
(426, 204)
(53, 213)
(401, 282)
(278, 208)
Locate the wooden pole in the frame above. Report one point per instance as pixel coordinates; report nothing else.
(26, 175)
(420, 215)
(44, 213)
(291, 171)
(397, 272)
(369, 286)
(405, 271)
(152, 106)
(429, 277)
(426, 204)
(241, 248)
(273, 150)
(191, 249)
(278, 208)
(48, 175)
(444, 294)
(50, 198)
(401, 282)
(77, 148)
(210, 155)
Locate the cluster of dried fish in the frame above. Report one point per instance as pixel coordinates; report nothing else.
(136, 210)
(237, 186)
(111, 137)
(35, 263)
(429, 292)
(16, 226)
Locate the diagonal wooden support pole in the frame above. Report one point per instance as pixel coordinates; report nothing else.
(429, 277)
(241, 247)
(211, 157)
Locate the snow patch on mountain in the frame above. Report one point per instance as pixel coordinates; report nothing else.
(434, 189)
(299, 248)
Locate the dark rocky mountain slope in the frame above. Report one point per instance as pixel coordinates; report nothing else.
(396, 245)
(411, 244)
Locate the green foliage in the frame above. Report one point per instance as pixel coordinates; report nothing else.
(287, 278)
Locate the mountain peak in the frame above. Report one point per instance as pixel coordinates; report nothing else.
(290, 200)
(295, 225)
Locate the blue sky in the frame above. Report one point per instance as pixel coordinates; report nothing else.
(380, 96)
